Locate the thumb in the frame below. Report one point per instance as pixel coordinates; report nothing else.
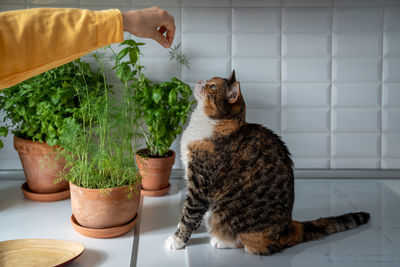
(161, 39)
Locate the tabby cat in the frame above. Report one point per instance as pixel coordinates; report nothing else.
(241, 174)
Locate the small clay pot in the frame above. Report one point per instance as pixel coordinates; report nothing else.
(104, 208)
(40, 166)
(155, 172)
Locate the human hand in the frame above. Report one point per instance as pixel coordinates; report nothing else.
(150, 23)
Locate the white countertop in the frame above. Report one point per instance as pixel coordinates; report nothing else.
(375, 244)
(21, 218)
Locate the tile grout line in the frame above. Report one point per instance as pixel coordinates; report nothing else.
(381, 91)
(281, 74)
(231, 39)
(331, 95)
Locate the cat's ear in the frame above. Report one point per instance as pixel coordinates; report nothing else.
(234, 92)
(232, 78)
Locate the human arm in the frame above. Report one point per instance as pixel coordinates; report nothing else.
(35, 40)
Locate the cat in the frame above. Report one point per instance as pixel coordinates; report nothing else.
(241, 175)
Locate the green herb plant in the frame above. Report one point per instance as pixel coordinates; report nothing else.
(98, 149)
(174, 54)
(163, 107)
(38, 109)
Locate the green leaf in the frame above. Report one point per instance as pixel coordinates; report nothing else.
(3, 131)
(123, 53)
(1, 144)
(172, 97)
(157, 95)
(133, 56)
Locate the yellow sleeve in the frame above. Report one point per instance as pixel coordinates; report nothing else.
(36, 40)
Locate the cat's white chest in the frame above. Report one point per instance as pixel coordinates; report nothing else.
(200, 127)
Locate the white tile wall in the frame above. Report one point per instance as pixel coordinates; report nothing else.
(322, 73)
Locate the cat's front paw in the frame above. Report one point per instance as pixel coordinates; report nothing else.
(173, 242)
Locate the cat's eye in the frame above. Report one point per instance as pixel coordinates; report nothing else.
(213, 87)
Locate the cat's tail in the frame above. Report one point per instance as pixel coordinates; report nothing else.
(317, 229)
(272, 241)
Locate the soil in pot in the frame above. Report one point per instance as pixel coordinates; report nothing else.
(155, 172)
(40, 166)
(111, 212)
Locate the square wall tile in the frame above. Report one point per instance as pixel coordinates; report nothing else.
(56, 2)
(306, 20)
(256, 20)
(355, 145)
(256, 45)
(392, 19)
(356, 95)
(261, 95)
(390, 163)
(355, 163)
(305, 120)
(391, 95)
(391, 120)
(391, 44)
(392, 2)
(391, 145)
(159, 3)
(269, 118)
(176, 146)
(306, 44)
(9, 7)
(99, 2)
(14, 2)
(391, 67)
(257, 70)
(206, 44)
(206, 3)
(206, 68)
(256, 3)
(358, 2)
(358, 19)
(368, 44)
(306, 70)
(352, 120)
(305, 95)
(307, 3)
(160, 69)
(309, 145)
(311, 163)
(205, 19)
(356, 69)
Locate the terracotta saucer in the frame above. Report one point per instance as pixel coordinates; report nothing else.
(156, 193)
(44, 197)
(104, 232)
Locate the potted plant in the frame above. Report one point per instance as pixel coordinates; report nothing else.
(163, 108)
(98, 150)
(36, 112)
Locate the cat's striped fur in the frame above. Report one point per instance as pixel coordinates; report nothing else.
(242, 175)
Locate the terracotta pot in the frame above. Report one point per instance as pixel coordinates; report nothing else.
(155, 172)
(104, 208)
(40, 166)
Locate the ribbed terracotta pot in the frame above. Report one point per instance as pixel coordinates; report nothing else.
(104, 208)
(40, 166)
(155, 172)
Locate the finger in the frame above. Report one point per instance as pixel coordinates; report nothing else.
(162, 29)
(169, 24)
(161, 39)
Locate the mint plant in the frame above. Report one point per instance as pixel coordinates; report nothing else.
(163, 107)
(38, 109)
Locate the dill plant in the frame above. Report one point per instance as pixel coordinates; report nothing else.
(98, 149)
